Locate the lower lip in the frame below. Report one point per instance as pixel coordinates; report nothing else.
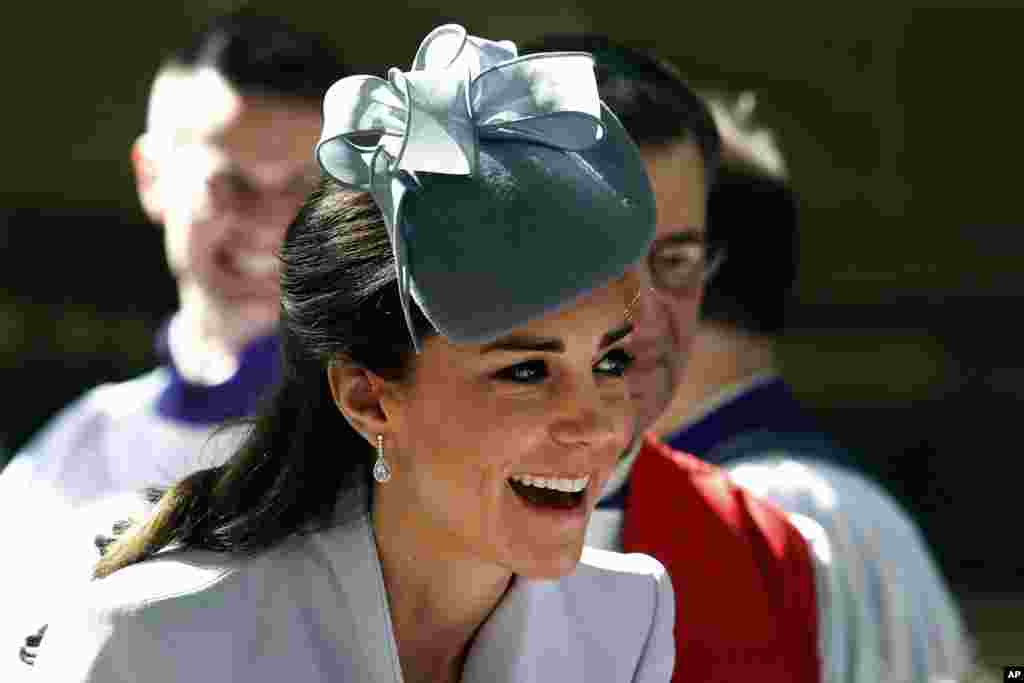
(573, 517)
(256, 275)
(237, 279)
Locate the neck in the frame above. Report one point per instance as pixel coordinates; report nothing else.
(438, 599)
(720, 356)
(206, 341)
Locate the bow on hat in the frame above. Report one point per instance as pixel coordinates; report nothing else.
(379, 133)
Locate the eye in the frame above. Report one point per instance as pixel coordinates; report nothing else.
(680, 255)
(675, 265)
(528, 372)
(614, 363)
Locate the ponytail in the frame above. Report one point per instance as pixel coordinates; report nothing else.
(339, 300)
(279, 482)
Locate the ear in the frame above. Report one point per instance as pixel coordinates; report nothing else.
(363, 399)
(145, 166)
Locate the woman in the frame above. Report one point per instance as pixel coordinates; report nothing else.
(411, 504)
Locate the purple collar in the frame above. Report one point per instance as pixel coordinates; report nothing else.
(258, 370)
(767, 406)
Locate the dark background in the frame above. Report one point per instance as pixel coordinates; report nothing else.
(901, 129)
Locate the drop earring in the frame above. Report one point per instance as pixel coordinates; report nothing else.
(381, 469)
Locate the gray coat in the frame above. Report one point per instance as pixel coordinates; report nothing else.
(314, 609)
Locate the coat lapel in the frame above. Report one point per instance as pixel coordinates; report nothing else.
(526, 638)
(362, 597)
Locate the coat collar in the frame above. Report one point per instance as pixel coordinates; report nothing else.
(352, 550)
(239, 396)
(523, 639)
(765, 402)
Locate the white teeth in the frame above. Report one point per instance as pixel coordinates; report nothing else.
(566, 485)
(257, 264)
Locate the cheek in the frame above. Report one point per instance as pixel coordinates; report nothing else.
(487, 431)
(681, 314)
(458, 452)
(188, 207)
(283, 210)
(191, 246)
(623, 412)
(176, 240)
(199, 242)
(461, 446)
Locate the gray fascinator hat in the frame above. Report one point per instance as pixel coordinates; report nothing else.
(509, 190)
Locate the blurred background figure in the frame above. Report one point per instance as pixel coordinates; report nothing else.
(744, 575)
(223, 165)
(907, 281)
(884, 613)
(890, 616)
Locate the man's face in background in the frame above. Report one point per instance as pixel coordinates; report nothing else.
(666, 313)
(225, 174)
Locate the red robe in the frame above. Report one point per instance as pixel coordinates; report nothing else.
(743, 575)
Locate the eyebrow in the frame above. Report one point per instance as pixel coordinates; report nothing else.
(684, 236)
(518, 342)
(546, 345)
(616, 335)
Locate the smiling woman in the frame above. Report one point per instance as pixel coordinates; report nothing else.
(411, 504)
(504, 448)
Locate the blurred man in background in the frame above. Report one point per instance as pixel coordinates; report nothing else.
(733, 400)
(878, 610)
(744, 575)
(891, 616)
(223, 165)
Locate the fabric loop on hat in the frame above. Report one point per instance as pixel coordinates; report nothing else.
(540, 98)
(379, 133)
(446, 45)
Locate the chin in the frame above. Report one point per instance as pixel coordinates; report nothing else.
(552, 567)
(262, 313)
(252, 312)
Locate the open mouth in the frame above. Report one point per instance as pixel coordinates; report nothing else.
(256, 264)
(249, 271)
(542, 494)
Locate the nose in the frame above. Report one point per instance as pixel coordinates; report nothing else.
(649, 324)
(588, 416)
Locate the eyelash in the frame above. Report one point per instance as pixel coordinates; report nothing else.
(535, 371)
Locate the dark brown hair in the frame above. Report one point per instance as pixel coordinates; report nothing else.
(339, 301)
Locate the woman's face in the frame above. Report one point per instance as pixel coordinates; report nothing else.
(485, 436)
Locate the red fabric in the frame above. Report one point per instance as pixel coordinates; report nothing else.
(742, 574)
